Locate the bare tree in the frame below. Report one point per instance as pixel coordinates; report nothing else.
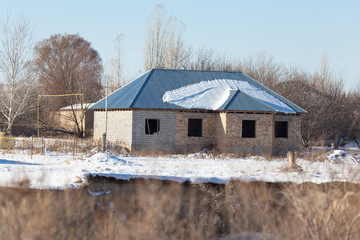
(322, 95)
(177, 55)
(164, 45)
(155, 41)
(336, 120)
(18, 84)
(115, 76)
(262, 68)
(67, 64)
(353, 99)
(208, 59)
(204, 60)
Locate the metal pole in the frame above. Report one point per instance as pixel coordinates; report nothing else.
(106, 118)
(82, 116)
(38, 116)
(32, 138)
(74, 145)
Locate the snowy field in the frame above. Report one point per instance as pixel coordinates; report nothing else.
(57, 171)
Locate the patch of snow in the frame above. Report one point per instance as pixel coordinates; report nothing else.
(341, 156)
(57, 171)
(211, 95)
(93, 193)
(94, 150)
(350, 145)
(50, 152)
(108, 159)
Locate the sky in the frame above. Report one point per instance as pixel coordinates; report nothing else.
(296, 33)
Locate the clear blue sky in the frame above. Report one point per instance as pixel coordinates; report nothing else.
(293, 32)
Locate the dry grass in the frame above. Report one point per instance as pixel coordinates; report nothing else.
(317, 155)
(76, 146)
(330, 211)
(38, 146)
(153, 209)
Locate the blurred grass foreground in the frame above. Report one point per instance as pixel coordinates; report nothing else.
(154, 209)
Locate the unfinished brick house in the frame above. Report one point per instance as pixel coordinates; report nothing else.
(180, 111)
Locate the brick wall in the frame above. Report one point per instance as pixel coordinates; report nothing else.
(119, 128)
(293, 141)
(183, 142)
(262, 141)
(221, 129)
(163, 141)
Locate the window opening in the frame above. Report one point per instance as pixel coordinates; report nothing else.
(152, 126)
(194, 127)
(281, 129)
(248, 128)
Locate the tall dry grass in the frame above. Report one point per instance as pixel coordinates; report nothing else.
(154, 209)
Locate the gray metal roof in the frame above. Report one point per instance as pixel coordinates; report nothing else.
(146, 91)
(239, 101)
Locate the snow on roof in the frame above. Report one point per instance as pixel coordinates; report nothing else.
(78, 106)
(211, 95)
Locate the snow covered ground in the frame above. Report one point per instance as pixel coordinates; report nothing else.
(57, 171)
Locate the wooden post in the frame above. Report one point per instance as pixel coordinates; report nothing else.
(292, 162)
(291, 159)
(32, 143)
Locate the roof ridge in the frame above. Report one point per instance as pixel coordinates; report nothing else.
(195, 70)
(141, 89)
(258, 100)
(114, 92)
(231, 99)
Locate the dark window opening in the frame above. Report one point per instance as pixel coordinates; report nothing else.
(152, 126)
(281, 129)
(195, 127)
(248, 129)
